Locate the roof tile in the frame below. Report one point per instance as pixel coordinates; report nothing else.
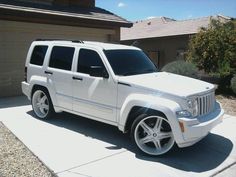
(163, 26)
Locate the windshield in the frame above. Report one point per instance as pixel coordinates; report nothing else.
(129, 62)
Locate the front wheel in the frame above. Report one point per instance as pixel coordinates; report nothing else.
(152, 134)
(41, 103)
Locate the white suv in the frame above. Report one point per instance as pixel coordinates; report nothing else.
(119, 85)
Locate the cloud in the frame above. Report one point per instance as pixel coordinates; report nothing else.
(189, 16)
(151, 17)
(121, 4)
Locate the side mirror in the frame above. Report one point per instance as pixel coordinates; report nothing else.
(98, 71)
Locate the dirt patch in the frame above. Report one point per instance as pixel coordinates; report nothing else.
(17, 160)
(228, 103)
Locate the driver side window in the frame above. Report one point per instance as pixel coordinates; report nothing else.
(88, 58)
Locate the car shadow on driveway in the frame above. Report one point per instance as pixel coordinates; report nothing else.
(14, 102)
(203, 156)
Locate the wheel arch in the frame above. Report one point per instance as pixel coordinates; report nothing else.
(137, 110)
(138, 103)
(43, 86)
(36, 87)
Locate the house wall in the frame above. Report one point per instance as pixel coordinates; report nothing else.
(167, 48)
(16, 37)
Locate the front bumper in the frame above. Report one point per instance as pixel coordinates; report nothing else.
(196, 129)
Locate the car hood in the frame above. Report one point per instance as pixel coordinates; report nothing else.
(168, 83)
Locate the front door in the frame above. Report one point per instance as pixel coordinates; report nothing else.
(93, 96)
(154, 55)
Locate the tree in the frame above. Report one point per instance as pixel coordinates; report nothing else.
(213, 49)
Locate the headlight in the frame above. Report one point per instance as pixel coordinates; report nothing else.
(191, 109)
(193, 106)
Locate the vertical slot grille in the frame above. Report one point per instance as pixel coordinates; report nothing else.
(206, 103)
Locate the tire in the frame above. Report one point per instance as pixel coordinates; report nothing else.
(152, 134)
(42, 104)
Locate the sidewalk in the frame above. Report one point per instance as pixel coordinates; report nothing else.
(74, 146)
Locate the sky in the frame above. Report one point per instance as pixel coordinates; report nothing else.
(134, 10)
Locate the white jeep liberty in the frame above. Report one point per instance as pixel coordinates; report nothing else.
(119, 85)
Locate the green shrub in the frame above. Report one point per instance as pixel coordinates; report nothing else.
(233, 84)
(213, 49)
(182, 68)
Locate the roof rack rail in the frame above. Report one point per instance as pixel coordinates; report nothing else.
(76, 41)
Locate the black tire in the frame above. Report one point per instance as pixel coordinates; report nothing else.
(50, 111)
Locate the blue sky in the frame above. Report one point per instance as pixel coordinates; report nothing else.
(178, 9)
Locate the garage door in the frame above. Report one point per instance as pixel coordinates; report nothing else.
(15, 39)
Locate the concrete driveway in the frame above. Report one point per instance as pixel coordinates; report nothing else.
(74, 146)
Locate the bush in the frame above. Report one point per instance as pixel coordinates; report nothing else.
(233, 84)
(213, 49)
(182, 68)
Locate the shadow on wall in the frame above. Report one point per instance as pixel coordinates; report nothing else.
(203, 156)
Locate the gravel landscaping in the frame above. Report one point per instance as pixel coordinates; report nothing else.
(16, 160)
(228, 103)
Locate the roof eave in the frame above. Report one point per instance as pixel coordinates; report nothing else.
(52, 18)
(155, 37)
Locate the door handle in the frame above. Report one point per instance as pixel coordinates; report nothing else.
(48, 72)
(77, 78)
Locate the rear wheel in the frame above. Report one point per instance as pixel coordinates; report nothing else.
(152, 134)
(41, 103)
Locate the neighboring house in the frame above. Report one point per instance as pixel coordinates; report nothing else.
(164, 39)
(23, 21)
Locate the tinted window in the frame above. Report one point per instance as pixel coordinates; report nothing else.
(61, 57)
(129, 62)
(38, 55)
(88, 58)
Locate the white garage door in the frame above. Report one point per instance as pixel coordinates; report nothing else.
(15, 39)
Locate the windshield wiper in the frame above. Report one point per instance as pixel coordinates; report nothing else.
(130, 73)
(149, 71)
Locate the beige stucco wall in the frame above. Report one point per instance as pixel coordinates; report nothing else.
(16, 37)
(167, 47)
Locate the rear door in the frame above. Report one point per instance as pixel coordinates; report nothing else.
(59, 74)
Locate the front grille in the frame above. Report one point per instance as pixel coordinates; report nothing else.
(206, 103)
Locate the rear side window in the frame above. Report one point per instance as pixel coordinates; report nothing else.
(61, 57)
(88, 58)
(38, 55)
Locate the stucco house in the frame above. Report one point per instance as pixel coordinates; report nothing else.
(22, 21)
(164, 39)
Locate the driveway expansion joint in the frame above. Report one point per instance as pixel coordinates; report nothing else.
(79, 174)
(93, 161)
(223, 169)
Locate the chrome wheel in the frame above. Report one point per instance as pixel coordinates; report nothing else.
(40, 104)
(153, 135)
